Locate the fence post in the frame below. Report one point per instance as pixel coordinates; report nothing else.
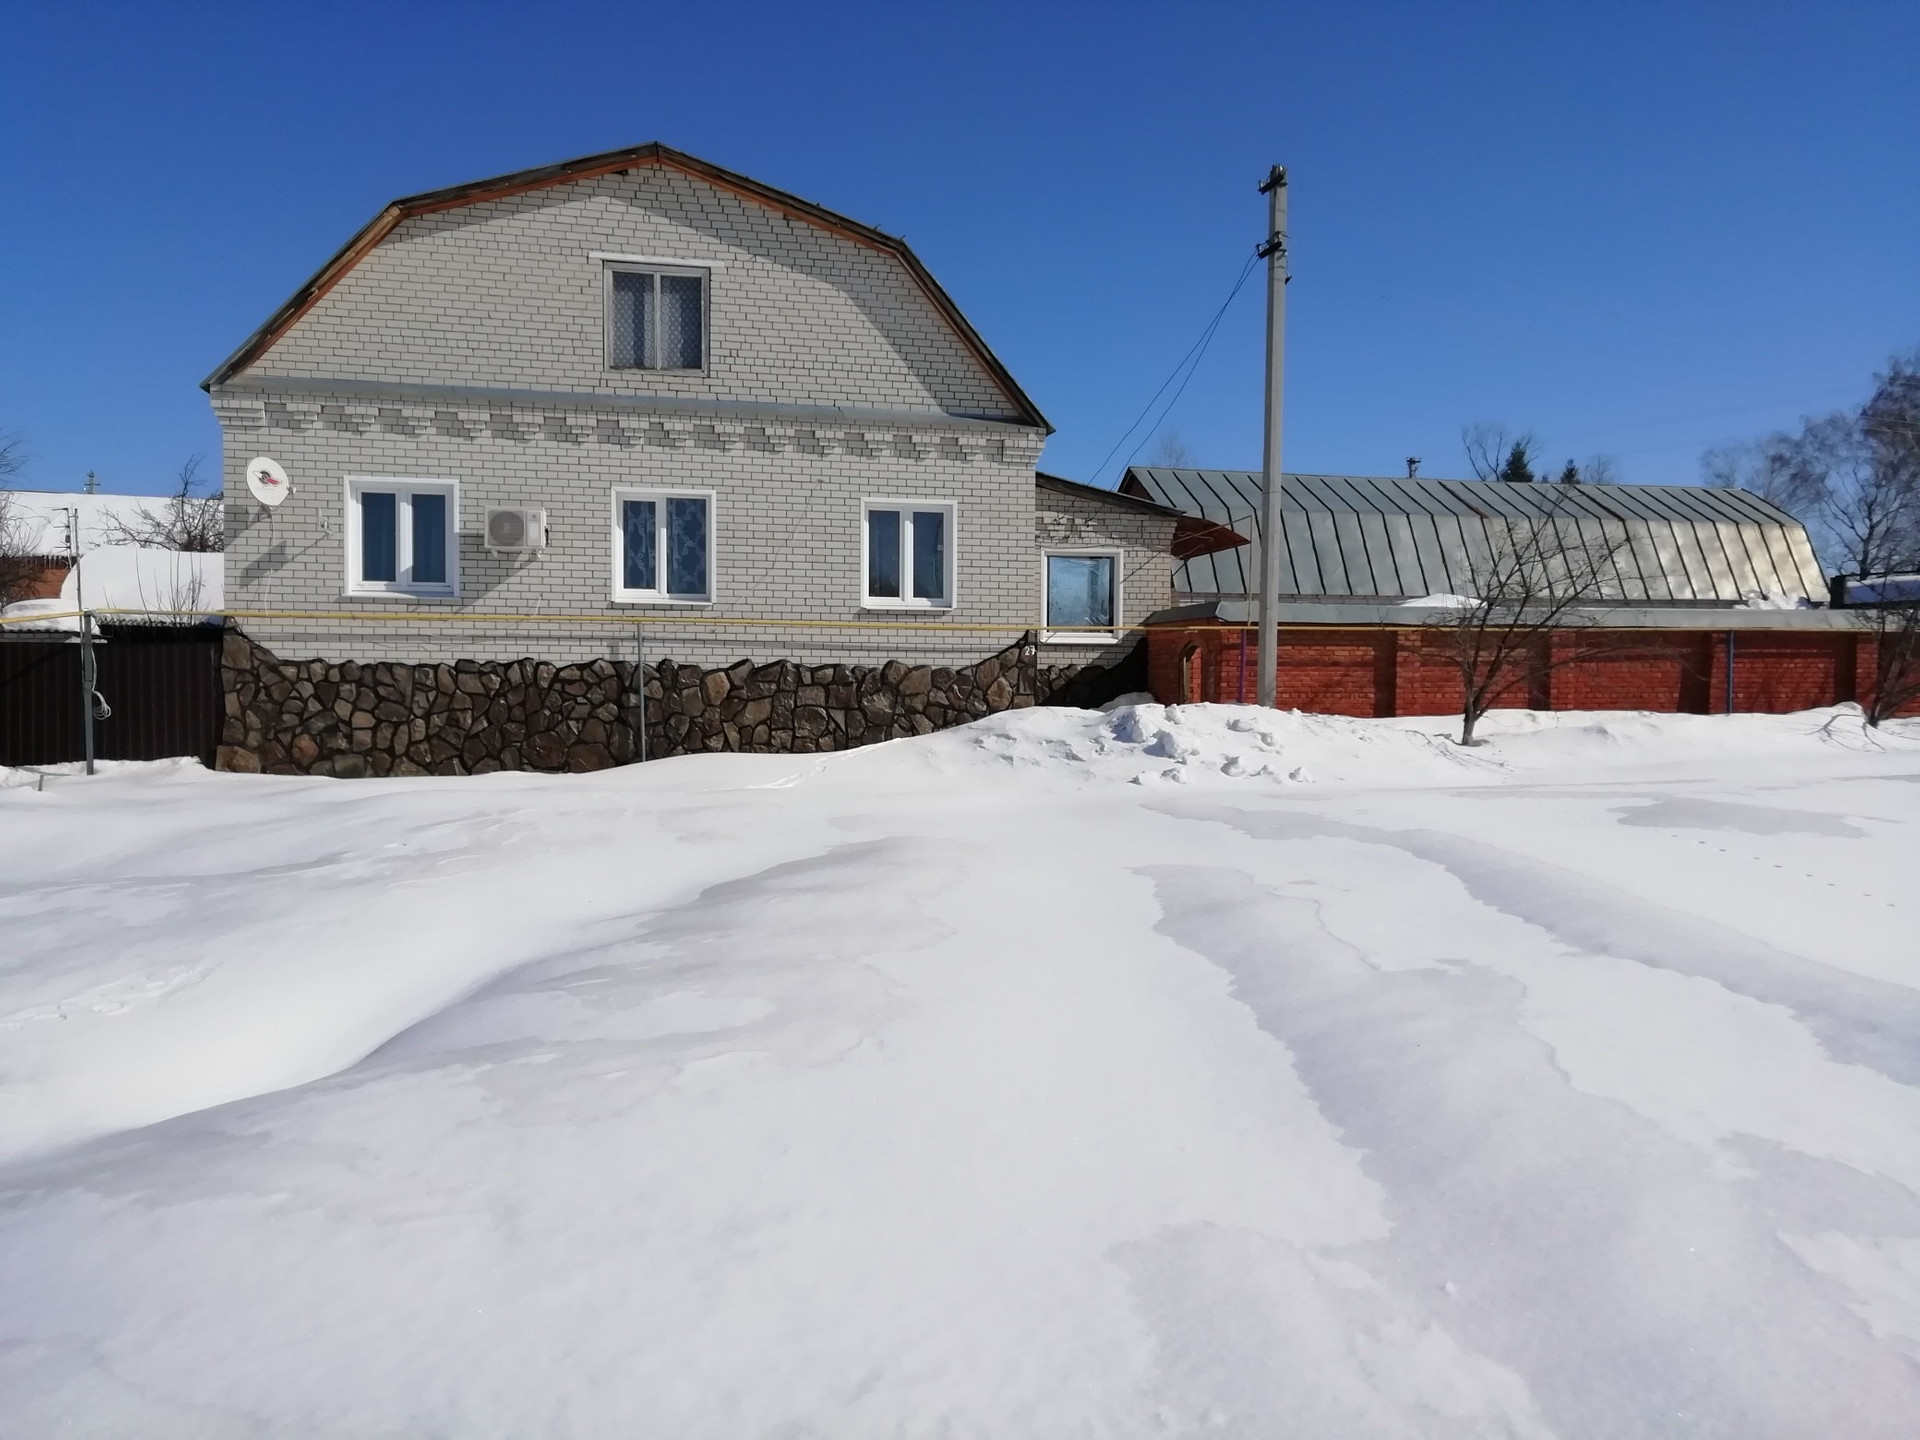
(88, 684)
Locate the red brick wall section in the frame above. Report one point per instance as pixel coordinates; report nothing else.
(1383, 671)
(1628, 670)
(31, 578)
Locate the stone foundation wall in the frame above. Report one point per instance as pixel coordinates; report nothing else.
(321, 717)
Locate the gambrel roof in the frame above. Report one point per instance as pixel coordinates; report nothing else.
(1366, 537)
(612, 162)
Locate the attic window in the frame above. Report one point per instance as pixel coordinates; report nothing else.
(656, 318)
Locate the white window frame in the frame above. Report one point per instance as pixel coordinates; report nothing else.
(906, 507)
(1084, 637)
(402, 583)
(700, 270)
(621, 594)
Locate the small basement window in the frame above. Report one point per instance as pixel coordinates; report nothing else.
(656, 318)
(1082, 596)
(907, 555)
(663, 546)
(401, 537)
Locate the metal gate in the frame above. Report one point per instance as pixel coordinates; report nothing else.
(162, 682)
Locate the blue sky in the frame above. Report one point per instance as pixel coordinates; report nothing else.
(1633, 229)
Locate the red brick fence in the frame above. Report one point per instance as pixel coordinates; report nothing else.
(1406, 670)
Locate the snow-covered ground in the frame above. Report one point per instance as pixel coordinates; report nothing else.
(1193, 1072)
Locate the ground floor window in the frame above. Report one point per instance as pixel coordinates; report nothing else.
(401, 537)
(1082, 596)
(907, 558)
(663, 545)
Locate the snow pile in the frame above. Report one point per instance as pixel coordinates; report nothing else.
(1440, 600)
(960, 1085)
(1150, 744)
(140, 579)
(1773, 600)
(128, 584)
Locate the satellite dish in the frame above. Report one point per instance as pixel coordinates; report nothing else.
(267, 481)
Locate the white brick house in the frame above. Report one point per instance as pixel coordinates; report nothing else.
(756, 429)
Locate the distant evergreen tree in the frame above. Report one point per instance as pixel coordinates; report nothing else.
(1517, 469)
(1570, 475)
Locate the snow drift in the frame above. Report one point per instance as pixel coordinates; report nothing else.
(1191, 1070)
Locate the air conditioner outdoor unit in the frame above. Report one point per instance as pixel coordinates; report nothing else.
(515, 528)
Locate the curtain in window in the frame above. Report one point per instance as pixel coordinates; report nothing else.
(633, 317)
(686, 546)
(883, 554)
(379, 536)
(1079, 590)
(429, 514)
(638, 528)
(680, 322)
(929, 555)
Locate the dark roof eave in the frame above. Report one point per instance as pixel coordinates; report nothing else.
(1099, 492)
(607, 162)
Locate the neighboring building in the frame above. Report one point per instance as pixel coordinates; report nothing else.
(1706, 601)
(36, 548)
(1356, 538)
(730, 424)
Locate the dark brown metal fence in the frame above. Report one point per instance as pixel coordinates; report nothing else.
(163, 683)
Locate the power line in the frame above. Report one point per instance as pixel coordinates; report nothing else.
(1193, 355)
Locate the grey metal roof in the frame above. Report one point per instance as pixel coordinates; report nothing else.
(1369, 537)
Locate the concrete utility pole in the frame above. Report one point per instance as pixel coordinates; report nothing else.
(1274, 251)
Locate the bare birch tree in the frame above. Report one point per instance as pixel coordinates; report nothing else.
(1538, 579)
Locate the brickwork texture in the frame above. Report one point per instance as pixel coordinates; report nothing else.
(1387, 671)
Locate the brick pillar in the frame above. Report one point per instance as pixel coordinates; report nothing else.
(1386, 667)
(1846, 668)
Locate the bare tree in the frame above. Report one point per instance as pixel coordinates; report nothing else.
(1171, 452)
(19, 570)
(1852, 476)
(185, 521)
(1536, 580)
(1594, 470)
(1895, 628)
(175, 598)
(1495, 453)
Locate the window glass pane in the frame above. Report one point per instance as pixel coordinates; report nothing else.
(639, 524)
(680, 322)
(883, 554)
(429, 539)
(1079, 590)
(686, 546)
(633, 310)
(379, 548)
(930, 555)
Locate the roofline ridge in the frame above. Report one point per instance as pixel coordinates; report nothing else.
(586, 167)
